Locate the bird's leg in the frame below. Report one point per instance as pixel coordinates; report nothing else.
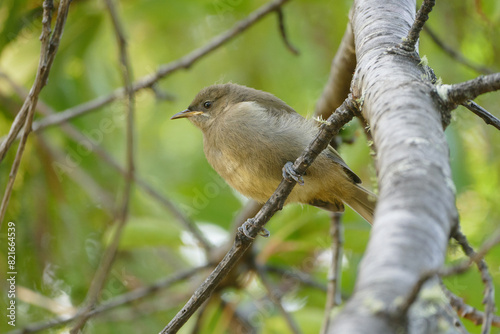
(251, 223)
(290, 174)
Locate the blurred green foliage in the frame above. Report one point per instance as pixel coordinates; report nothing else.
(64, 217)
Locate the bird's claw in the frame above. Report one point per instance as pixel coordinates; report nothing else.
(290, 174)
(251, 223)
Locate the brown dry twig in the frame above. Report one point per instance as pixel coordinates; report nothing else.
(450, 96)
(468, 90)
(333, 295)
(327, 130)
(24, 119)
(409, 44)
(466, 311)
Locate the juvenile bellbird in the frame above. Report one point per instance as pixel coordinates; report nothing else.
(250, 135)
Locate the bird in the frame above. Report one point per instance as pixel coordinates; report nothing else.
(251, 137)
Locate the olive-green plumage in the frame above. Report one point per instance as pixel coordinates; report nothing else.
(248, 137)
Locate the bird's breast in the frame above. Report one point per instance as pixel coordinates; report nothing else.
(253, 175)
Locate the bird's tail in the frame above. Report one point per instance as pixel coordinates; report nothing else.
(363, 202)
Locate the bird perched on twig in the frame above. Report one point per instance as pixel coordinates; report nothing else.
(250, 138)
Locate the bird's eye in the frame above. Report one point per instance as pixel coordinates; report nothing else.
(207, 104)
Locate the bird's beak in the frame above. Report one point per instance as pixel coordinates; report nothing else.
(186, 113)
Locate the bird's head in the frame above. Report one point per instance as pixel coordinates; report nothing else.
(211, 102)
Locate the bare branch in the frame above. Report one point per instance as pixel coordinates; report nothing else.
(455, 320)
(333, 295)
(483, 113)
(466, 311)
(455, 54)
(164, 70)
(79, 110)
(49, 47)
(468, 90)
(409, 44)
(489, 289)
(327, 130)
(281, 23)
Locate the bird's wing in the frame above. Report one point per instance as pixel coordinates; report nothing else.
(333, 155)
(276, 106)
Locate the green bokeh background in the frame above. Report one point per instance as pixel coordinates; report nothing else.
(63, 223)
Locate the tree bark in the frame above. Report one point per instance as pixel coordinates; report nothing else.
(416, 207)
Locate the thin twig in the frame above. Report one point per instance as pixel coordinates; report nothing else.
(489, 288)
(284, 36)
(327, 130)
(276, 300)
(409, 44)
(455, 54)
(117, 301)
(49, 47)
(164, 70)
(110, 254)
(482, 113)
(466, 311)
(333, 295)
